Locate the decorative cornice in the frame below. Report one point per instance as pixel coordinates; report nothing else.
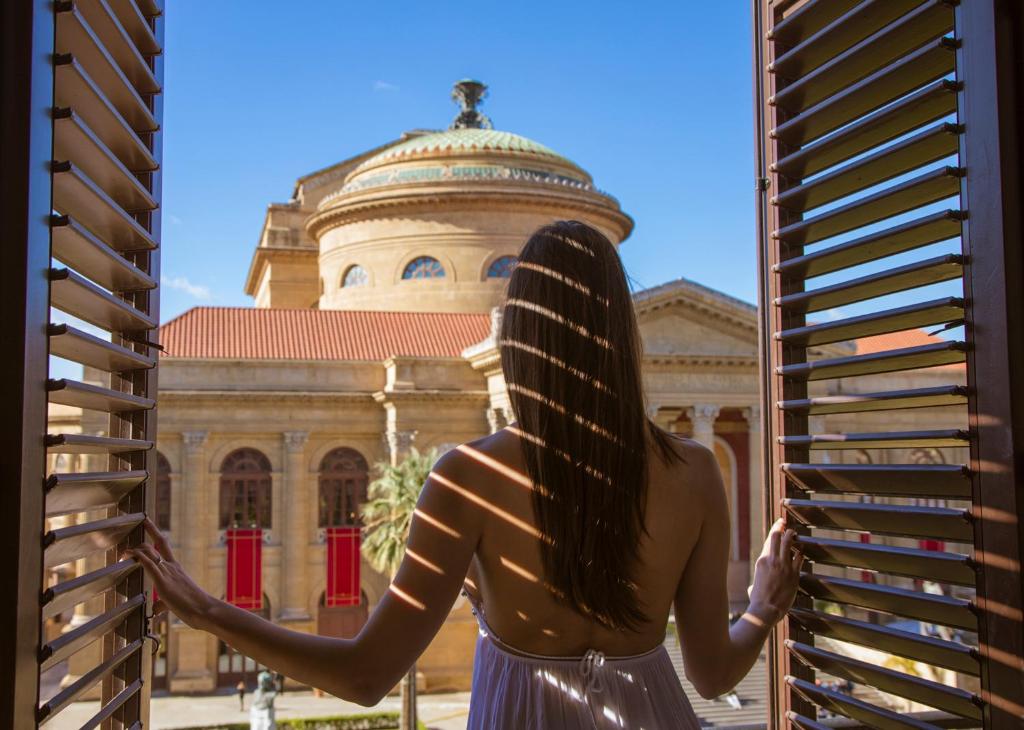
(270, 396)
(432, 396)
(411, 201)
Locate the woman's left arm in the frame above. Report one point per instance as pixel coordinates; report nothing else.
(443, 536)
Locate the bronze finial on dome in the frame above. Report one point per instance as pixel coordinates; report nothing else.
(468, 94)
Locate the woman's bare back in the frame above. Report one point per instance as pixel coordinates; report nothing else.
(507, 571)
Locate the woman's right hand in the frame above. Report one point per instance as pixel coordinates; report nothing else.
(175, 588)
(776, 574)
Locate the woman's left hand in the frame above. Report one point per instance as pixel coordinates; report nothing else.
(177, 591)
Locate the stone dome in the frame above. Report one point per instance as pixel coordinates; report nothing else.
(430, 222)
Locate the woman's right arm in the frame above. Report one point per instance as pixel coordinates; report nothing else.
(716, 655)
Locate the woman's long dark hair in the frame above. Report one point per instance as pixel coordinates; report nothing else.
(570, 352)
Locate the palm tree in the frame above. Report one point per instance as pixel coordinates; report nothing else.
(387, 516)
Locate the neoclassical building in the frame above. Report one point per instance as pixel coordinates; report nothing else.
(375, 288)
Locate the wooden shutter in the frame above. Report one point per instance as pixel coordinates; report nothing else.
(888, 163)
(82, 150)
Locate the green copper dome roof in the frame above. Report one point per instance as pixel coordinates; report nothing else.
(465, 140)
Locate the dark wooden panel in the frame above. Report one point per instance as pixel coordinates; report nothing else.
(943, 395)
(927, 649)
(926, 607)
(81, 347)
(68, 643)
(888, 361)
(929, 187)
(945, 567)
(76, 541)
(88, 680)
(942, 481)
(923, 231)
(918, 274)
(94, 397)
(889, 43)
(933, 694)
(66, 595)
(912, 153)
(912, 316)
(934, 101)
(67, 493)
(845, 705)
(928, 64)
(74, 246)
(938, 438)
(943, 523)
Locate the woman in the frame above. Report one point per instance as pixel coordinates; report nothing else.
(574, 530)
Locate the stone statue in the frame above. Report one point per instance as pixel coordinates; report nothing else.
(261, 711)
(468, 94)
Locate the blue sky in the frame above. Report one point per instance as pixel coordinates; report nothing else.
(657, 109)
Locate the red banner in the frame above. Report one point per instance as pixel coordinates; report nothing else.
(342, 567)
(245, 568)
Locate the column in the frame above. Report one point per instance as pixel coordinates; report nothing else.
(757, 485)
(399, 443)
(702, 416)
(496, 419)
(193, 531)
(297, 532)
(192, 653)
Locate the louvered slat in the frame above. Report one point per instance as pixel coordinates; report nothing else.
(933, 102)
(76, 541)
(66, 493)
(76, 90)
(67, 594)
(108, 710)
(843, 32)
(77, 443)
(943, 523)
(80, 298)
(943, 395)
(76, 37)
(926, 607)
(136, 25)
(929, 187)
(936, 311)
(946, 567)
(939, 696)
(94, 397)
(75, 246)
(808, 19)
(931, 145)
(922, 231)
(944, 481)
(922, 273)
(843, 704)
(81, 347)
(88, 680)
(68, 643)
(890, 42)
(75, 195)
(119, 45)
(73, 140)
(936, 438)
(928, 649)
(930, 63)
(887, 361)
(805, 723)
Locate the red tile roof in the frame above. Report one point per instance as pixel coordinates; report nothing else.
(895, 341)
(311, 334)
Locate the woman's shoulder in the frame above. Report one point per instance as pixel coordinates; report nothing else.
(694, 473)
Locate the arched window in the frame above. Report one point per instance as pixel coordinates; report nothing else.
(424, 267)
(501, 267)
(245, 490)
(355, 276)
(162, 487)
(344, 477)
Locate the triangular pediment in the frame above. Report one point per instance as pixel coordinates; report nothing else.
(683, 318)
